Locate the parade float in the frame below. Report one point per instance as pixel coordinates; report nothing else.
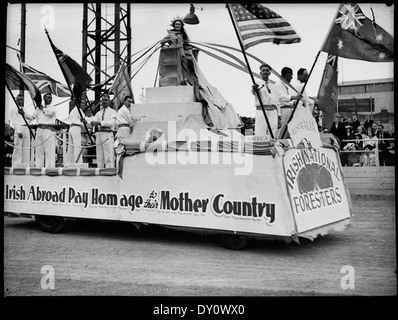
(176, 171)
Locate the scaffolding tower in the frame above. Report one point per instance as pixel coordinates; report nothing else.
(106, 42)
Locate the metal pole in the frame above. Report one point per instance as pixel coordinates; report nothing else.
(128, 32)
(22, 40)
(98, 47)
(84, 44)
(117, 37)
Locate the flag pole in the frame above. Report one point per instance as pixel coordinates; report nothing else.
(250, 71)
(70, 89)
(331, 25)
(316, 59)
(23, 116)
(301, 93)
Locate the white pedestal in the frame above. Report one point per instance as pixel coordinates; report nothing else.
(170, 94)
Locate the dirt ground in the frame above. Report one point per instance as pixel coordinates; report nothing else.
(115, 259)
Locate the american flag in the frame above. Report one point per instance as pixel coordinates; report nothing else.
(45, 83)
(257, 24)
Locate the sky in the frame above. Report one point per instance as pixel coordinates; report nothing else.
(149, 23)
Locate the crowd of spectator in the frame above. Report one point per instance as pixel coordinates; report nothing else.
(364, 144)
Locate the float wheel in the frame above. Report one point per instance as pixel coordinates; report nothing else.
(52, 224)
(232, 242)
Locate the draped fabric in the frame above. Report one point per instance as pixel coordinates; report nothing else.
(178, 66)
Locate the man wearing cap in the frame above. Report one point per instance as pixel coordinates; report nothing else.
(45, 135)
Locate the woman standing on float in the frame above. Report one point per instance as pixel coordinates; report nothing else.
(178, 66)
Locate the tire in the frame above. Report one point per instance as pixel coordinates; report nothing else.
(52, 224)
(232, 242)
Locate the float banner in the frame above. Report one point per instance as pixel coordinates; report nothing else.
(208, 196)
(303, 126)
(315, 187)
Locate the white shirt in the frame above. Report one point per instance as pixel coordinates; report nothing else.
(267, 98)
(284, 94)
(123, 116)
(47, 115)
(74, 116)
(307, 101)
(17, 119)
(107, 119)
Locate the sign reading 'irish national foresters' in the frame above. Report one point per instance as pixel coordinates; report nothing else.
(315, 186)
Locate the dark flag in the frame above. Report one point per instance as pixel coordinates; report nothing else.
(72, 71)
(121, 86)
(258, 24)
(45, 83)
(327, 94)
(14, 78)
(354, 36)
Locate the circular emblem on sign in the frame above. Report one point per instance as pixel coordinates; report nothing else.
(314, 177)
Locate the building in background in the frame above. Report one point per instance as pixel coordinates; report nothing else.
(369, 97)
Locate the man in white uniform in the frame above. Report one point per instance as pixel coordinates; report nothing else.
(124, 119)
(287, 97)
(73, 155)
(302, 76)
(21, 153)
(45, 135)
(269, 99)
(104, 120)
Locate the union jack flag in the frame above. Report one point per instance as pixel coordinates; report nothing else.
(45, 83)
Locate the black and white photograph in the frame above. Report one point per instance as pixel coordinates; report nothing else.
(201, 150)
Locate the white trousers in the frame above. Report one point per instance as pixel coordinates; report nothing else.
(21, 153)
(261, 127)
(285, 113)
(122, 133)
(45, 152)
(104, 148)
(74, 145)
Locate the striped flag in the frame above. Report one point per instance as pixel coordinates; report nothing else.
(45, 83)
(257, 24)
(14, 78)
(121, 86)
